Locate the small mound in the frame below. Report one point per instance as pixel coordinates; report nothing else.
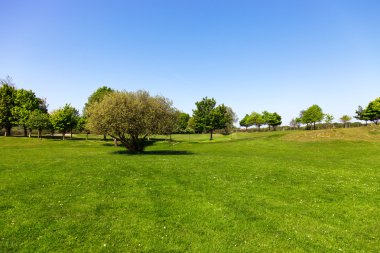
(368, 133)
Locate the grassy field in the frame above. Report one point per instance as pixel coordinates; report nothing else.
(301, 191)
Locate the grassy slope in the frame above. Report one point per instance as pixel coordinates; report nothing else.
(242, 193)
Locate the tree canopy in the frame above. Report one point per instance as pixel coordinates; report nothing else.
(64, 119)
(207, 117)
(182, 122)
(96, 97)
(130, 117)
(345, 120)
(39, 120)
(372, 112)
(272, 119)
(328, 119)
(7, 103)
(312, 115)
(245, 122)
(361, 114)
(257, 119)
(26, 102)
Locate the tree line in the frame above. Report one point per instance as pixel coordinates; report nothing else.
(128, 117)
(131, 117)
(311, 116)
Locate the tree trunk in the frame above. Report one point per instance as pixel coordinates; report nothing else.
(86, 136)
(30, 133)
(314, 125)
(8, 131)
(134, 145)
(115, 142)
(211, 135)
(104, 137)
(63, 136)
(71, 134)
(39, 133)
(25, 131)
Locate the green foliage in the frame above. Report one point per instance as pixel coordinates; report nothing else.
(168, 123)
(230, 119)
(25, 103)
(258, 119)
(208, 118)
(328, 119)
(96, 97)
(65, 119)
(372, 112)
(312, 115)
(245, 122)
(130, 117)
(191, 125)
(272, 119)
(345, 119)
(182, 122)
(39, 120)
(7, 103)
(203, 113)
(361, 114)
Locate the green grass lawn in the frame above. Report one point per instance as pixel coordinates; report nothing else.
(257, 192)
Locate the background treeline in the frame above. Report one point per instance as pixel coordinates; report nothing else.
(312, 118)
(137, 115)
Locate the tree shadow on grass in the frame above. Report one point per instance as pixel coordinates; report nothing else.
(154, 152)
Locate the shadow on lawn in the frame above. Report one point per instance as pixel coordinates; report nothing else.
(53, 137)
(154, 152)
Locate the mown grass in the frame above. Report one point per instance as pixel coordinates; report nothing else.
(255, 192)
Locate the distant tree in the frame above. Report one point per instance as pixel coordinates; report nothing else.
(96, 97)
(183, 119)
(231, 118)
(65, 119)
(202, 114)
(272, 119)
(38, 120)
(219, 118)
(207, 117)
(191, 125)
(293, 123)
(7, 102)
(26, 102)
(130, 117)
(82, 126)
(299, 122)
(345, 119)
(361, 114)
(328, 120)
(43, 105)
(169, 120)
(245, 122)
(373, 111)
(257, 119)
(312, 115)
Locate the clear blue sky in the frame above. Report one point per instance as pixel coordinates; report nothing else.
(259, 55)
